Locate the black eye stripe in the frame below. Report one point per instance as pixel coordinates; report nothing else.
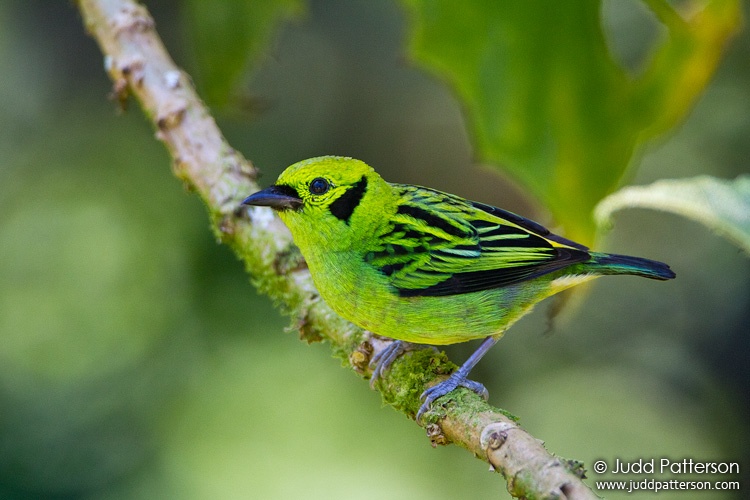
(319, 186)
(344, 206)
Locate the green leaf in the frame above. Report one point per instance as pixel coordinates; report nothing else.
(546, 101)
(722, 205)
(228, 37)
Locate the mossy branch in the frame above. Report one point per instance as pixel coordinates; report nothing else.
(139, 65)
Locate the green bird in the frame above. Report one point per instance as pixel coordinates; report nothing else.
(422, 266)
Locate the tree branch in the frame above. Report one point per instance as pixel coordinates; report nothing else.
(139, 65)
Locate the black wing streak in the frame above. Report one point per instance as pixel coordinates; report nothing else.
(531, 236)
(522, 239)
(430, 219)
(529, 224)
(478, 281)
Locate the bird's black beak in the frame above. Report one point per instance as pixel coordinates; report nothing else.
(276, 197)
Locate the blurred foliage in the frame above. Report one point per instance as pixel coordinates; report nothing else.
(136, 361)
(548, 102)
(228, 37)
(723, 206)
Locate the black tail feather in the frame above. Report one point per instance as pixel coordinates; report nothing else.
(625, 264)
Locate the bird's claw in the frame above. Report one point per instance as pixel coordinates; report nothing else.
(383, 360)
(446, 386)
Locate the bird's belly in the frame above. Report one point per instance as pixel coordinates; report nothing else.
(367, 300)
(446, 320)
(364, 296)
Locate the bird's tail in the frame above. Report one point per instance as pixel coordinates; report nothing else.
(607, 263)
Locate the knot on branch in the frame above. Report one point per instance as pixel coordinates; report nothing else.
(436, 436)
(495, 435)
(170, 116)
(123, 73)
(360, 357)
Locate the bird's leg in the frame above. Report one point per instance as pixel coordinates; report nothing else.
(458, 379)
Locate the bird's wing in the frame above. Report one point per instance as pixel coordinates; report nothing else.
(439, 244)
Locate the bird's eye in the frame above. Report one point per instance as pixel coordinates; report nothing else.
(319, 185)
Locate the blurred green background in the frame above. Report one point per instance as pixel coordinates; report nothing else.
(136, 361)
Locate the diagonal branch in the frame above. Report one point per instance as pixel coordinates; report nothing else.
(139, 65)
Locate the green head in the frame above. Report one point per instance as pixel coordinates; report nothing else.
(330, 202)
